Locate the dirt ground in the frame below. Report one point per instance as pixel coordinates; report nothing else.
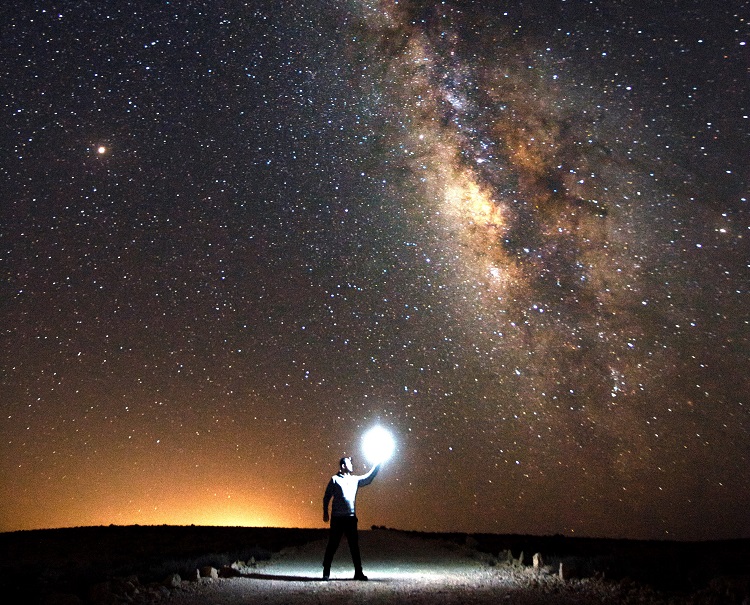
(114, 565)
(402, 569)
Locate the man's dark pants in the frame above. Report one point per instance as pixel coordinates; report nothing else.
(343, 526)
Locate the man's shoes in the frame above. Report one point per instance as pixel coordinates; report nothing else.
(360, 576)
(326, 577)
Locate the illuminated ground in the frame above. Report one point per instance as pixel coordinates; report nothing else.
(401, 569)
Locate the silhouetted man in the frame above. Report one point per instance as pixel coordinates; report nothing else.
(343, 489)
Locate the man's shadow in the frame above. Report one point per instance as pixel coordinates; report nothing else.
(283, 578)
(268, 576)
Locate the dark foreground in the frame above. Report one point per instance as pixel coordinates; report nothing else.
(142, 564)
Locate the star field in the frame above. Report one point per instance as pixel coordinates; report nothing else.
(236, 235)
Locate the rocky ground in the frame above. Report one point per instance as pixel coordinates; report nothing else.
(402, 568)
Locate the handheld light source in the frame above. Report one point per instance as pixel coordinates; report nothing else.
(378, 445)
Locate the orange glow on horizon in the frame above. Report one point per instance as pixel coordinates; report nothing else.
(200, 516)
(176, 504)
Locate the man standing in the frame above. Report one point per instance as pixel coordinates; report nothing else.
(343, 489)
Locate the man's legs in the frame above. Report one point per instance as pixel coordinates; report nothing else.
(352, 537)
(337, 529)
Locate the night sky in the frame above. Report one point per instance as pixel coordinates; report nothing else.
(235, 235)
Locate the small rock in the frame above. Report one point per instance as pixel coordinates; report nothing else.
(125, 586)
(157, 592)
(172, 581)
(209, 572)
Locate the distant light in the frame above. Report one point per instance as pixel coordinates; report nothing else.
(378, 445)
(101, 150)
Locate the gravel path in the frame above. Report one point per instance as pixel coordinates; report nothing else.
(402, 569)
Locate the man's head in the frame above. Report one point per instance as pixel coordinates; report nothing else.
(345, 464)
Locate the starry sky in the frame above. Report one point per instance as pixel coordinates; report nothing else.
(234, 235)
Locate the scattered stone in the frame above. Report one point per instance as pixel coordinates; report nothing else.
(125, 586)
(173, 580)
(241, 567)
(506, 557)
(156, 592)
(209, 572)
(538, 561)
(734, 589)
(112, 592)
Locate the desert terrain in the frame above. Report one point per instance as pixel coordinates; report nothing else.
(222, 565)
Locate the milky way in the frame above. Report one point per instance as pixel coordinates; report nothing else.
(236, 235)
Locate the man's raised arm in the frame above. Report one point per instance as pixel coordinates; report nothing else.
(367, 479)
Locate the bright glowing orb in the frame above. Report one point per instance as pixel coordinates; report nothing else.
(101, 150)
(378, 445)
